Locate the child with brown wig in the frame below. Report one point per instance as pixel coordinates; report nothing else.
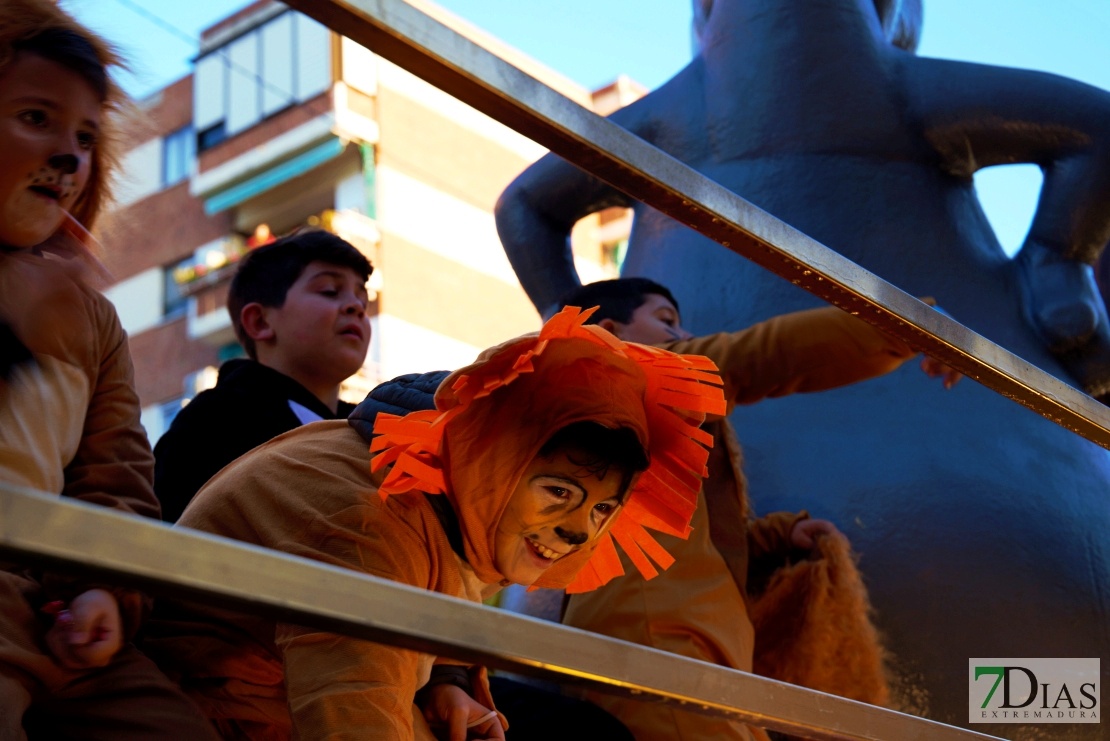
(535, 460)
(69, 415)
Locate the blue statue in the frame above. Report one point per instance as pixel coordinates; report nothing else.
(982, 526)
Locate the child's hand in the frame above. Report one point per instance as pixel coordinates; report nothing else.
(88, 633)
(935, 369)
(449, 709)
(806, 531)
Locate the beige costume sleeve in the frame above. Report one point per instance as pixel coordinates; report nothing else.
(800, 352)
(354, 689)
(113, 466)
(770, 535)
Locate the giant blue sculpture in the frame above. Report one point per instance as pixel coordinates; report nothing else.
(983, 527)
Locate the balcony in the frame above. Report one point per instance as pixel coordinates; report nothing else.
(270, 104)
(203, 278)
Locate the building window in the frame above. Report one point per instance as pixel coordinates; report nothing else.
(284, 61)
(174, 300)
(211, 136)
(178, 153)
(205, 267)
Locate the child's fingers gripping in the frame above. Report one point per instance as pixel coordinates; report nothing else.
(483, 720)
(489, 725)
(90, 629)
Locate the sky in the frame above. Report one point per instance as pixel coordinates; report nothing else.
(594, 41)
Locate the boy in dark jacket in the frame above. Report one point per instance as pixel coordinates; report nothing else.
(298, 306)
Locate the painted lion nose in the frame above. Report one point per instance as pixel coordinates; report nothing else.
(64, 163)
(571, 538)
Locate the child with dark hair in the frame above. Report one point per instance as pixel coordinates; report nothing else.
(534, 461)
(69, 415)
(298, 306)
(618, 299)
(700, 608)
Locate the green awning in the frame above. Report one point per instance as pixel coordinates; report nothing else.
(275, 176)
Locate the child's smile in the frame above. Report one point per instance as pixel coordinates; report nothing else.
(557, 507)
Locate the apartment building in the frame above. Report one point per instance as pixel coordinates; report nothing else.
(283, 124)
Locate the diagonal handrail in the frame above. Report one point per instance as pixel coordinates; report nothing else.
(38, 529)
(406, 36)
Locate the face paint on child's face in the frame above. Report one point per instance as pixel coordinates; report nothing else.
(49, 122)
(556, 508)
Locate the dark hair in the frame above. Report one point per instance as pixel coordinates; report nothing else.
(71, 50)
(597, 449)
(616, 299)
(266, 274)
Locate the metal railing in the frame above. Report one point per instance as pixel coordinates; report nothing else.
(43, 530)
(404, 35)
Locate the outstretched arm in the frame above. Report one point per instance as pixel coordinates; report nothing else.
(975, 116)
(535, 216)
(800, 352)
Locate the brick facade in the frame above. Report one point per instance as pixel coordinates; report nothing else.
(158, 230)
(174, 108)
(163, 356)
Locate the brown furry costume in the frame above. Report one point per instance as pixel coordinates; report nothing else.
(813, 627)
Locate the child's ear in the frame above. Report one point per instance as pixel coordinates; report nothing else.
(255, 322)
(610, 326)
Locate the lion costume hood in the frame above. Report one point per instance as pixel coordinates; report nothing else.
(493, 416)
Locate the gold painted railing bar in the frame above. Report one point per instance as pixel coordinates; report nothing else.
(404, 35)
(43, 530)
